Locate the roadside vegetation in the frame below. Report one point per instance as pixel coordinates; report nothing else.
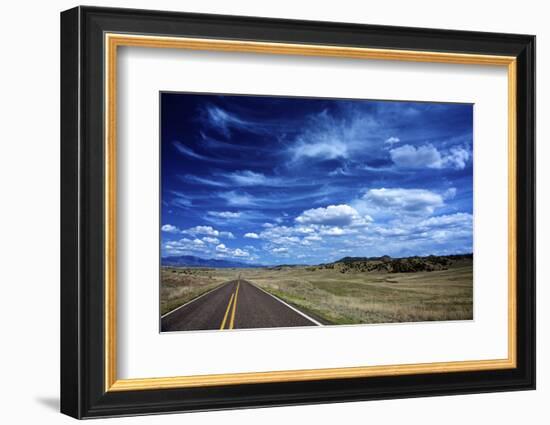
(373, 297)
(180, 285)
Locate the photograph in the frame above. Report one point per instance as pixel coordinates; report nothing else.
(291, 211)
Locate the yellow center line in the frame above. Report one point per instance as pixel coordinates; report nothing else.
(234, 306)
(227, 311)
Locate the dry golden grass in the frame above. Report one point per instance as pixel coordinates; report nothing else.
(355, 298)
(180, 285)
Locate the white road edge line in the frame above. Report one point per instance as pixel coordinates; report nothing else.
(311, 319)
(195, 299)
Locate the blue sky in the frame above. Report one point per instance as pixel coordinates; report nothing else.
(275, 180)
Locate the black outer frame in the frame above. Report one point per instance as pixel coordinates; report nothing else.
(82, 218)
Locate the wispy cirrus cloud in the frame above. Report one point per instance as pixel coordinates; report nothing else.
(186, 151)
(329, 137)
(239, 178)
(251, 178)
(224, 121)
(225, 214)
(277, 199)
(238, 199)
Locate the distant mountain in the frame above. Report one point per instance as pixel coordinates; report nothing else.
(192, 261)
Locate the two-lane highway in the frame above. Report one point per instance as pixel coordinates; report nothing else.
(237, 304)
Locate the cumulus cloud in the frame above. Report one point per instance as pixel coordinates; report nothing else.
(207, 230)
(408, 156)
(202, 230)
(333, 231)
(333, 215)
(279, 250)
(210, 239)
(221, 248)
(168, 228)
(251, 235)
(184, 246)
(428, 156)
(457, 157)
(403, 201)
(240, 253)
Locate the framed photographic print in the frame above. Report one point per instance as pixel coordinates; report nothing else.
(261, 212)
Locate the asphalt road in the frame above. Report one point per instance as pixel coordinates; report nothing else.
(236, 304)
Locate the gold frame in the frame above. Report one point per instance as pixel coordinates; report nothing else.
(113, 41)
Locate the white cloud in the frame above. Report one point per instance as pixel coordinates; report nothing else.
(279, 250)
(449, 220)
(403, 201)
(333, 231)
(392, 140)
(451, 228)
(333, 215)
(224, 121)
(224, 214)
(457, 158)
(251, 178)
(329, 149)
(168, 228)
(210, 239)
(408, 156)
(207, 230)
(240, 253)
(450, 193)
(185, 246)
(184, 150)
(306, 230)
(181, 200)
(221, 248)
(326, 136)
(427, 156)
(201, 180)
(252, 235)
(202, 230)
(235, 198)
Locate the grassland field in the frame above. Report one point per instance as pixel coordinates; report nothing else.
(355, 297)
